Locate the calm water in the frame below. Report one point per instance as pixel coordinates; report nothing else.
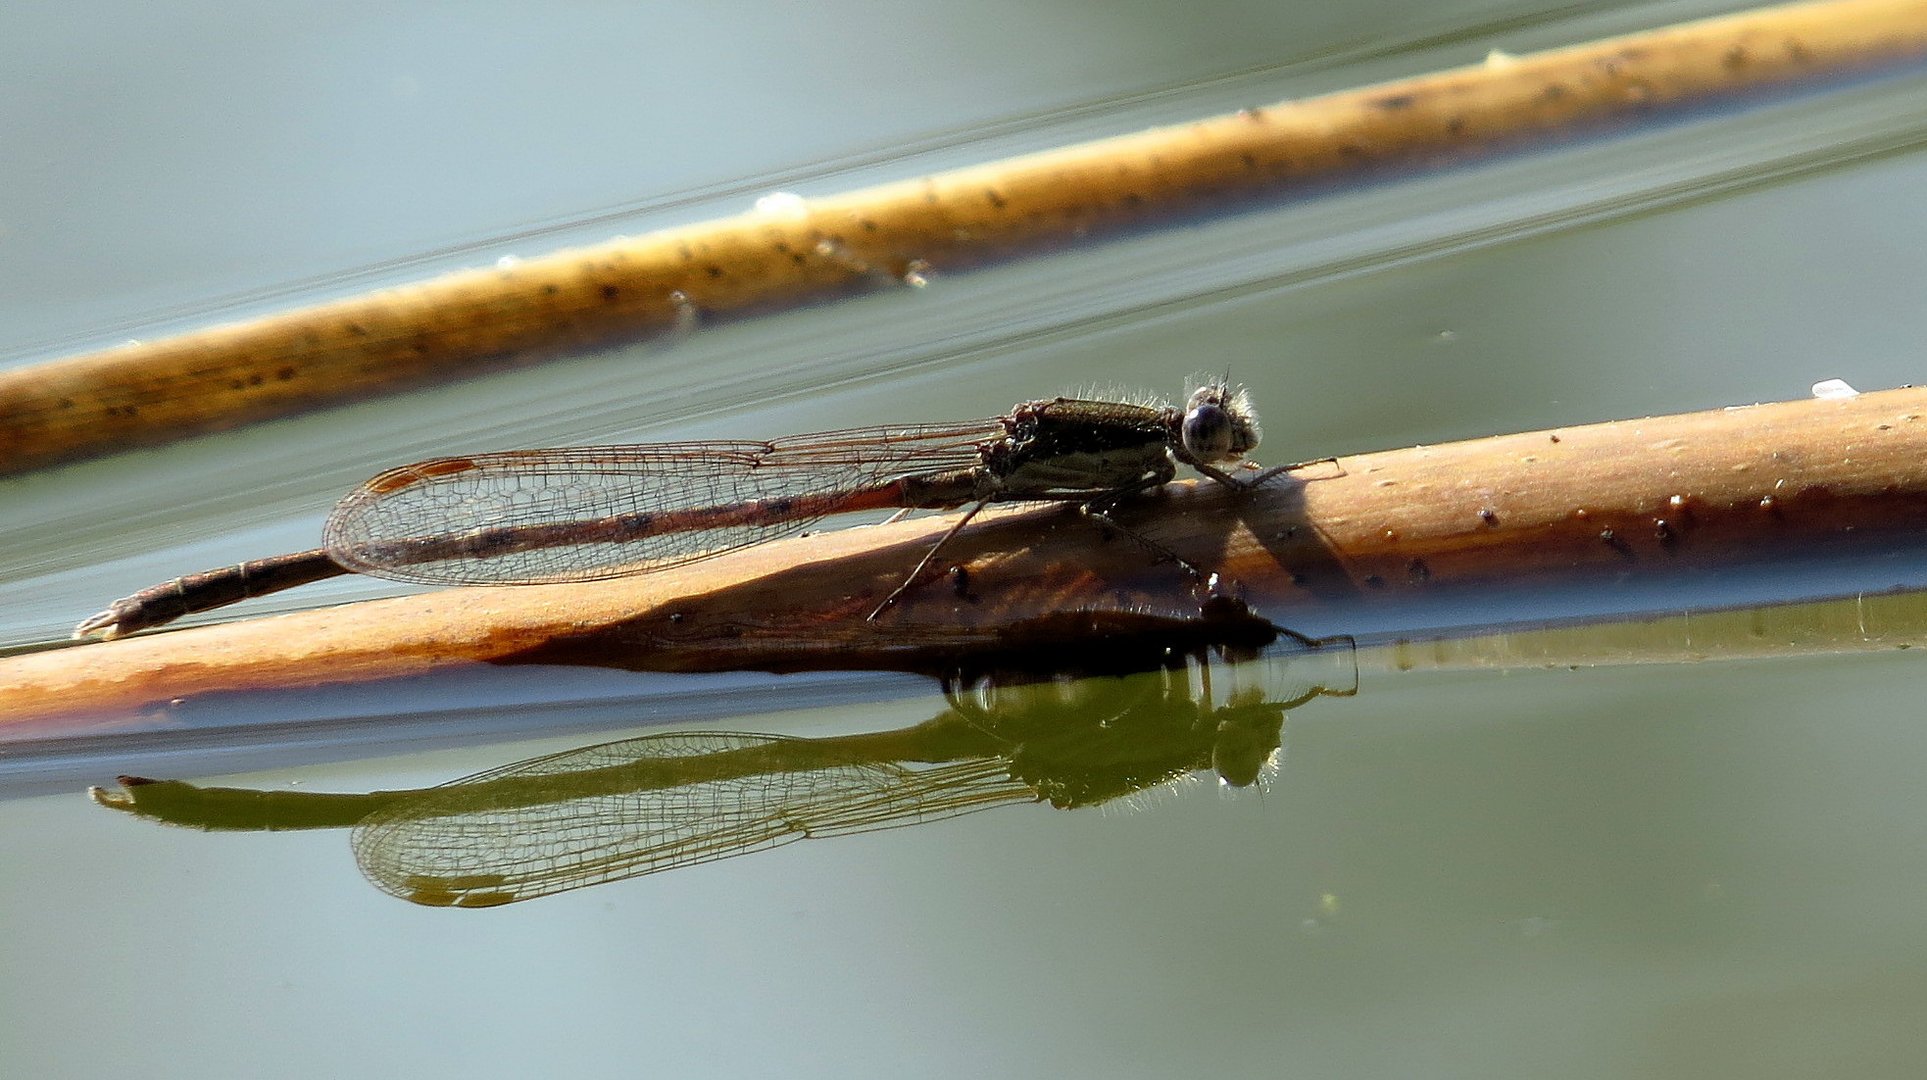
(1655, 870)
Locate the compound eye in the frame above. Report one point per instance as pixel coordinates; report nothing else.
(1207, 432)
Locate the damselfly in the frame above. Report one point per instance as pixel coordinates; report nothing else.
(586, 513)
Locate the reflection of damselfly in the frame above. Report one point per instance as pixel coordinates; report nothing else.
(581, 514)
(624, 809)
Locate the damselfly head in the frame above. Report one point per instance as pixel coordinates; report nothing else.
(1250, 741)
(1220, 423)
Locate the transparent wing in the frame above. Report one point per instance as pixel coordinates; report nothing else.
(582, 513)
(623, 809)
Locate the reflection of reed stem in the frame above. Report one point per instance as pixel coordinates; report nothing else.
(1879, 622)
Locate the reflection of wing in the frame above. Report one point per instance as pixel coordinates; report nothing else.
(622, 809)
